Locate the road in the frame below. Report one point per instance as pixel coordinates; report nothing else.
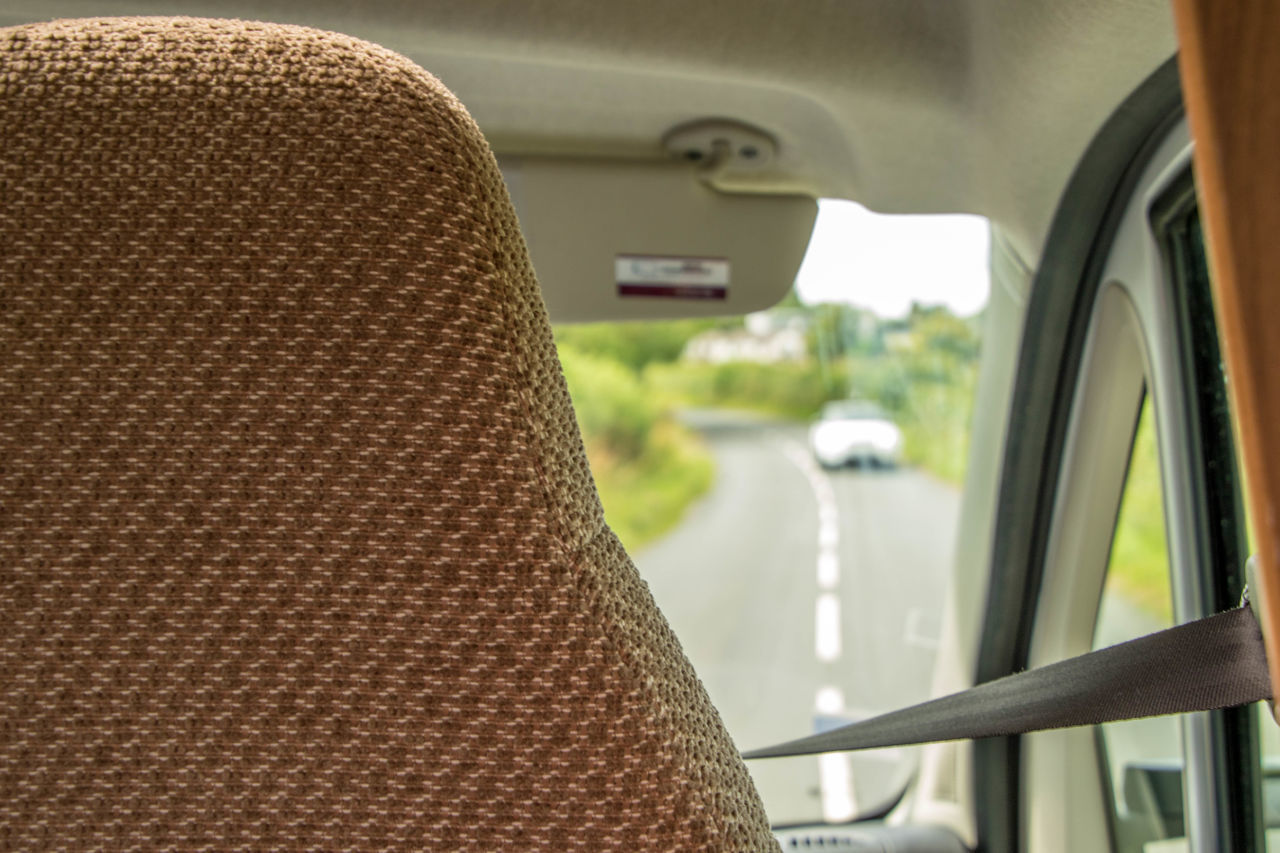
(806, 598)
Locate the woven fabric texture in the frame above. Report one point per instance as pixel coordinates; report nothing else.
(298, 541)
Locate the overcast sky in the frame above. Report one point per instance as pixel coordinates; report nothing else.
(886, 262)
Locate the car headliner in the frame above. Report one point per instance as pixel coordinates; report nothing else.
(903, 105)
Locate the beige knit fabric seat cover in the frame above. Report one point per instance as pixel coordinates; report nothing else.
(299, 545)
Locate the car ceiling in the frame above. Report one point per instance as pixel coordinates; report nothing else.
(904, 105)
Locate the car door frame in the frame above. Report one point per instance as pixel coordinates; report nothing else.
(1069, 282)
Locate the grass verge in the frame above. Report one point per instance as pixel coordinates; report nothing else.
(647, 496)
(648, 469)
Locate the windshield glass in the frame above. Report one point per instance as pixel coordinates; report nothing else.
(788, 484)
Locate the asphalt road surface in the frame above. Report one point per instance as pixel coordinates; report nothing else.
(804, 599)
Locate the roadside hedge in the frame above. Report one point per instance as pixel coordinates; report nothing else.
(647, 467)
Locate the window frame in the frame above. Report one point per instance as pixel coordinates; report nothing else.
(1153, 190)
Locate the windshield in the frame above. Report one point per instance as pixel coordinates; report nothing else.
(803, 566)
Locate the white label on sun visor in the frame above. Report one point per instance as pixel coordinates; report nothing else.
(672, 277)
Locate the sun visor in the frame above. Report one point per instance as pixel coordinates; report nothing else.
(643, 241)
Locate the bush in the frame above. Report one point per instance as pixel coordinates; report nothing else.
(935, 425)
(796, 390)
(647, 497)
(634, 345)
(929, 395)
(615, 413)
(648, 469)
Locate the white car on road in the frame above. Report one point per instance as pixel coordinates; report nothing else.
(855, 432)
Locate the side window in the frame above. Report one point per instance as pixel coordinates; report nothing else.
(1142, 757)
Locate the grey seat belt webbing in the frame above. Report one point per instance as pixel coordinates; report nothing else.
(1217, 662)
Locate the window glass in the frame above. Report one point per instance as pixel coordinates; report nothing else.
(788, 484)
(1142, 757)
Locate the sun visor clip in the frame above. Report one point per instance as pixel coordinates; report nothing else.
(716, 147)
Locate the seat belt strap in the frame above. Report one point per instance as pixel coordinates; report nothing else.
(1211, 663)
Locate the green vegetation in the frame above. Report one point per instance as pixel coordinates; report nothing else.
(1139, 567)
(627, 380)
(935, 424)
(789, 390)
(647, 467)
(921, 370)
(636, 345)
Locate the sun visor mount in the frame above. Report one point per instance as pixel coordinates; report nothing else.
(719, 146)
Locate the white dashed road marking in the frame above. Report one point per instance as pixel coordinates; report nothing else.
(835, 770)
(835, 776)
(828, 515)
(828, 569)
(826, 641)
(828, 535)
(829, 701)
